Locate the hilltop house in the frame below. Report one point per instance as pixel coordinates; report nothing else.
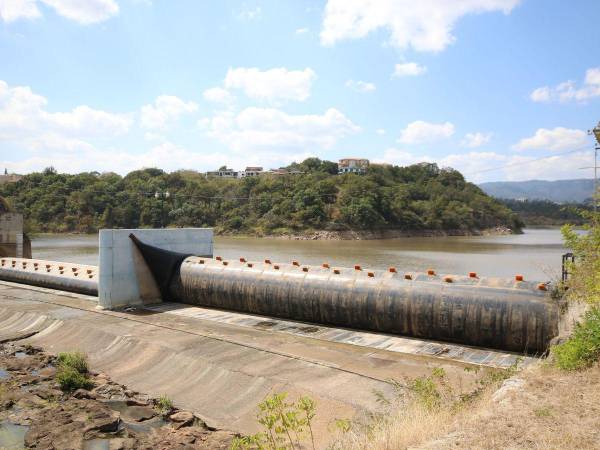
(223, 172)
(251, 171)
(353, 165)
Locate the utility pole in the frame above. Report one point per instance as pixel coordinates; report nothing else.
(162, 196)
(596, 133)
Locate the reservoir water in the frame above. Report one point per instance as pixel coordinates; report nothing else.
(536, 253)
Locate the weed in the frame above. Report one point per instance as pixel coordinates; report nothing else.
(74, 360)
(543, 412)
(343, 425)
(164, 404)
(285, 425)
(583, 347)
(72, 372)
(70, 379)
(430, 391)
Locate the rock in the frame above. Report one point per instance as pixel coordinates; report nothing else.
(109, 390)
(182, 419)
(136, 402)
(47, 372)
(123, 444)
(138, 413)
(508, 386)
(82, 393)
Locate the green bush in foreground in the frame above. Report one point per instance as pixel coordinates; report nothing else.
(75, 360)
(583, 347)
(72, 373)
(70, 379)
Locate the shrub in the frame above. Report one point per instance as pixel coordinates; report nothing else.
(71, 379)
(74, 360)
(72, 373)
(286, 425)
(583, 347)
(164, 404)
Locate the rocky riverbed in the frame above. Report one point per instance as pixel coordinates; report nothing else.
(35, 413)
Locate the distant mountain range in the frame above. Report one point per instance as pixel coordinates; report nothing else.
(561, 191)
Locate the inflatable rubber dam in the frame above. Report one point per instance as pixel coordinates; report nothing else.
(513, 315)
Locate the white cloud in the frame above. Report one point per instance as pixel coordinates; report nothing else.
(487, 166)
(218, 95)
(542, 94)
(474, 140)
(380, 131)
(302, 30)
(401, 157)
(11, 10)
(84, 12)
(25, 120)
(273, 84)
(260, 129)
(166, 109)
(165, 155)
(419, 132)
(360, 86)
(84, 120)
(557, 139)
(408, 69)
(249, 14)
(568, 90)
(425, 25)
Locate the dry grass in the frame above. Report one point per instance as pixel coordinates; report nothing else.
(545, 408)
(407, 427)
(551, 410)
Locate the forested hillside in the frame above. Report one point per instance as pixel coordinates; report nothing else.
(418, 197)
(560, 191)
(547, 213)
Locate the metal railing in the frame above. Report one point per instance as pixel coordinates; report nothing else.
(567, 258)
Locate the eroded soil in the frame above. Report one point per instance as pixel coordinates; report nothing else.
(35, 413)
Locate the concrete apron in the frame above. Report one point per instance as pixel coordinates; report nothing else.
(219, 370)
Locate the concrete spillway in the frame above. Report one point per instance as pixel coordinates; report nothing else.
(511, 315)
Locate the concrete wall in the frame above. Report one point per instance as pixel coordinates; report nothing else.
(12, 241)
(124, 277)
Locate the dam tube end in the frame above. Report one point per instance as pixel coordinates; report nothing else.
(162, 263)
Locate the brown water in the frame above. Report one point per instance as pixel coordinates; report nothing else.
(536, 254)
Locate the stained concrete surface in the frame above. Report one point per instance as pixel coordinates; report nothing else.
(219, 370)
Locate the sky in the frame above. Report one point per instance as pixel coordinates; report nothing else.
(498, 89)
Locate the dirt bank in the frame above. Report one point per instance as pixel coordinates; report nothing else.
(540, 408)
(346, 235)
(35, 413)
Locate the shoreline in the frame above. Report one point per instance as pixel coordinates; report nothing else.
(364, 235)
(343, 235)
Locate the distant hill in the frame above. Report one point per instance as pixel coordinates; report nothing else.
(561, 191)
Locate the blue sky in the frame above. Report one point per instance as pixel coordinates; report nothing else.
(116, 85)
